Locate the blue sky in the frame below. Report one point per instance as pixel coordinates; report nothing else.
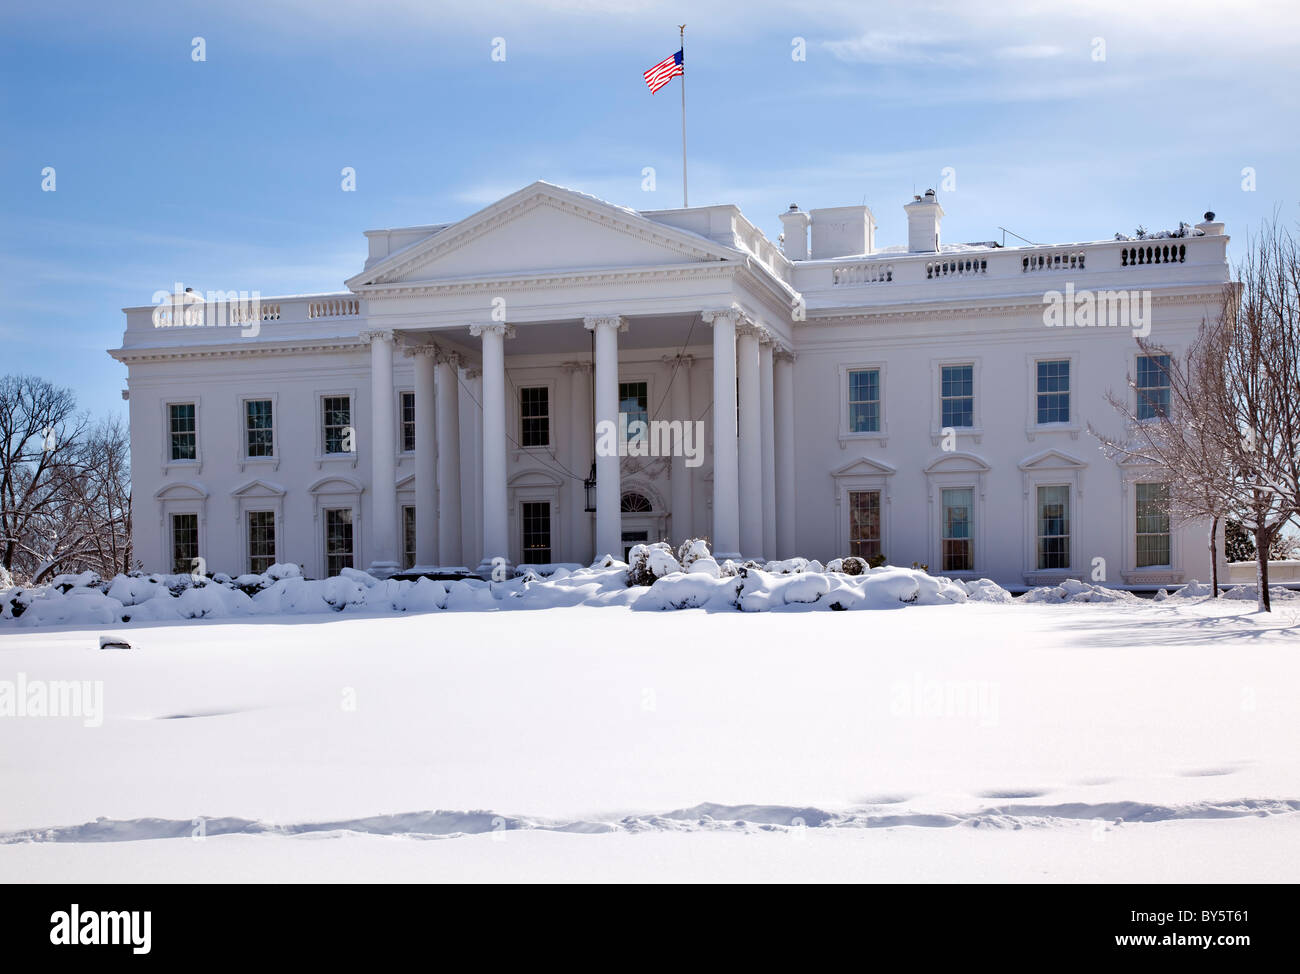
(225, 174)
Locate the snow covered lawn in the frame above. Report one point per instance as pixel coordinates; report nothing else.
(973, 741)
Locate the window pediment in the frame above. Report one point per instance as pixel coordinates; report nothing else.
(958, 463)
(1051, 460)
(864, 467)
(258, 488)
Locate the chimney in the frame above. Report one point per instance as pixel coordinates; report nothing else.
(923, 217)
(842, 231)
(796, 232)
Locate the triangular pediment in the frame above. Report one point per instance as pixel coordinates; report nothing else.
(258, 488)
(864, 467)
(1051, 460)
(542, 228)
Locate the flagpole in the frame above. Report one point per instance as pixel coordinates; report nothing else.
(682, 27)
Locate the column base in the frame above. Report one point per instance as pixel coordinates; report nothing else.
(494, 570)
(384, 569)
(721, 556)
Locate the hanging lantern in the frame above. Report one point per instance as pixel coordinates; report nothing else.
(590, 486)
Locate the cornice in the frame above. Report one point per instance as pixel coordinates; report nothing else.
(130, 356)
(831, 316)
(548, 281)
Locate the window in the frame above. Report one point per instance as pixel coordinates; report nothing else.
(185, 543)
(261, 541)
(338, 540)
(535, 416)
(258, 426)
(864, 400)
(184, 434)
(1053, 527)
(864, 523)
(1054, 392)
(1152, 525)
(337, 423)
(408, 537)
(408, 422)
(537, 532)
(957, 395)
(957, 510)
(634, 405)
(634, 503)
(1152, 386)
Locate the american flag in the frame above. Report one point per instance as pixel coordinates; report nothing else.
(664, 72)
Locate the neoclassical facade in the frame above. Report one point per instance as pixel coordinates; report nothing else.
(927, 402)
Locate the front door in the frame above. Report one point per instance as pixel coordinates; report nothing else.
(631, 538)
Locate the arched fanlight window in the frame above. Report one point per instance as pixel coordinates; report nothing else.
(634, 503)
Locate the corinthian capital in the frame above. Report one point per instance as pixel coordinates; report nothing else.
(492, 328)
(732, 314)
(371, 335)
(413, 351)
(592, 322)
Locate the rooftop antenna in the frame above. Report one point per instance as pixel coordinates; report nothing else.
(1005, 231)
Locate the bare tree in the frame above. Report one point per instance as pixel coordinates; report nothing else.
(1183, 439)
(64, 486)
(1227, 439)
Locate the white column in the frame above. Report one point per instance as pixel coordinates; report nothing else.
(683, 521)
(726, 484)
(426, 455)
(446, 381)
(471, 472)
(768, 433)
(751, 447)
(609, 493)
(783, 395)
(583, 437)
(496, 520)
(383, 454)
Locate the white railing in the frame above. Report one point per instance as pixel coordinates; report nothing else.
(1141, 253)
(1058, 260)
(333, 308)
(956, 267)
(872, 272)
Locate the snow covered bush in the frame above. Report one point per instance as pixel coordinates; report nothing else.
(852, 565)
(655, 581)
(1073, 590)
(647, 563)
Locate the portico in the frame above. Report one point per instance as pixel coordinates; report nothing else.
(623, 378)
(579, 314)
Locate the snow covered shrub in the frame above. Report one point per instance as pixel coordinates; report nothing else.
(65, 583)
(1073, 590)
(6, 580)
(852, 565)
(14, 602)
(649, 562)
(691, 551)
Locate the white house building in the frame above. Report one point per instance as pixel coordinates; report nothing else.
(922, 402)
